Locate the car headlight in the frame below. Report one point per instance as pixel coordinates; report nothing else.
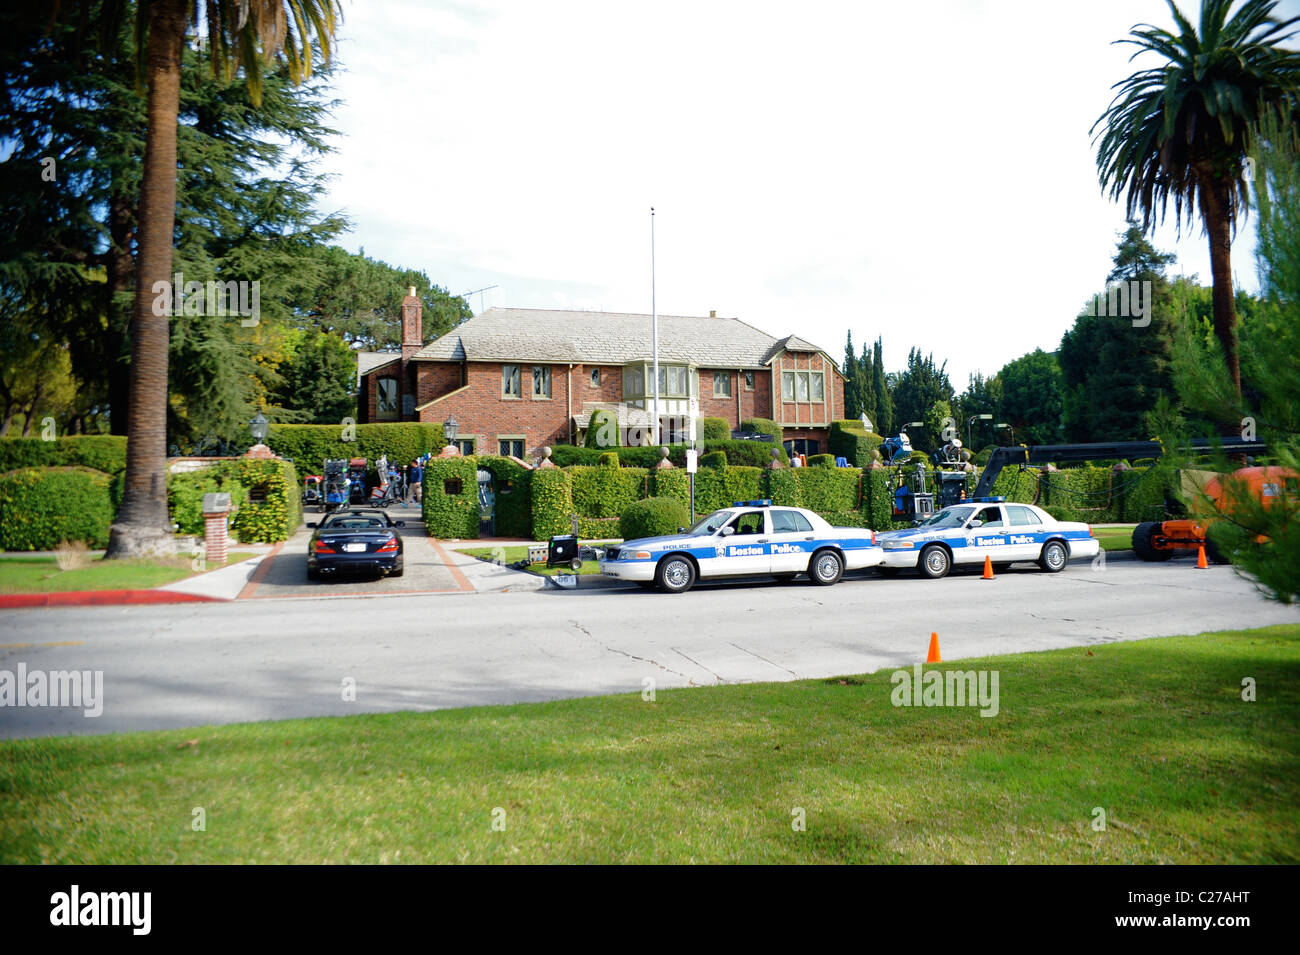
(898, 545)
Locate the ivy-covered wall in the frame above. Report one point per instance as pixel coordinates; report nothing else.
(450, 498)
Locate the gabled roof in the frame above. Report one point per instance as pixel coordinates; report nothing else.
(603, 338)
(368, 361)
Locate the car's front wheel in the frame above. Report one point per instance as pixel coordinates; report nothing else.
(935, 562)
(826, 568)
(675, 575)
(1054, 557)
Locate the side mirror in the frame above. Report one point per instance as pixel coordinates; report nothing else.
(728, 531)
(399, 523)
(681, 530)
(313, 524)
(976, 523)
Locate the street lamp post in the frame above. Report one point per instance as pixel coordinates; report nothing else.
(1002, 425)
(258, 427)
(451, 428)
(971, 420)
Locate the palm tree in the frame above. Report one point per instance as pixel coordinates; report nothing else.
(239, 34)
(1182, 129)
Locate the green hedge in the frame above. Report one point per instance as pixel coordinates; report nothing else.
(845, 518)
(185, 495)
(879, 504)
(602, 430)
(763, 426)
(514, 495)
(653, 517)
(552, 503)
(604, 491)
(722, 487)
(1145, 497)
(851, 441)
(41, 507)
(597, 528)
(714, 429)
(455, 515)
(828, 489)
(821, 460)
(277, 517)
(102, 452)
(674, 483)
(714, 459)
(309, 445)
(750, 454)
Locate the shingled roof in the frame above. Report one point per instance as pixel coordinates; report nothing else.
(603, 338)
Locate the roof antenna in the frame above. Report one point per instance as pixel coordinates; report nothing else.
(479, 292)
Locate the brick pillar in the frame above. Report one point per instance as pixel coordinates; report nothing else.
(216, 536)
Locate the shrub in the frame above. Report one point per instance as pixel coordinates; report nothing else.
(849, 440)
(672, 482)
(763, 426)
(714, 459)
(722, 487)
(844, 518)
(752, 454)
(652, 517)
(277, 516)
(42, 507)
(602, 429)
(821, 460)
(608, 459)
(567, 455)
(782, 486)
(605, 492)
(879, 504)
(715, 429)
(456, 514)
(1147, 498)
(552, 502)
(309, 445)
(185, 495)
(833, 489)
(103, 452)
(597, 528)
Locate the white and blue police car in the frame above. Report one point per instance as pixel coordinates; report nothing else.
(986, 527)
(748, 539)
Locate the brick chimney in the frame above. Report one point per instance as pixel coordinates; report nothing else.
(412, 324)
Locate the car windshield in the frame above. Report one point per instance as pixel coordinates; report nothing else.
(949, 517)
(353, 522)
(711, 524)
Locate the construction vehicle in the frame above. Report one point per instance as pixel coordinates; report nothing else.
(1161, 540)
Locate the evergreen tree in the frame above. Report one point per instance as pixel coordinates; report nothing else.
(884, 419)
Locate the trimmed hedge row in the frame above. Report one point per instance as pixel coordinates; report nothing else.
(279, 514)
(309, 445)
(851, 441)
(552, 503)
(714, 429)
(41, 507)
(514, 495)
(185, 496)
(756, 454)
(102, 452)
(606, 491)
(653, 517)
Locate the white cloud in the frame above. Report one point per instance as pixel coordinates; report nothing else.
(925, 174)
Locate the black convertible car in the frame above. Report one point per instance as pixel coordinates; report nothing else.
(354, 542)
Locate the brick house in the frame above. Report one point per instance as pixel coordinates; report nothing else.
(517, 379)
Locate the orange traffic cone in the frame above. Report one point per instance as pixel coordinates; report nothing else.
(1201, 563)
(988, 567)
(933, 656)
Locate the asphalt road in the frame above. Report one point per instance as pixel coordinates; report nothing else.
(196, 664)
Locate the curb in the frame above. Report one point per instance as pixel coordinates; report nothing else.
(87, 598)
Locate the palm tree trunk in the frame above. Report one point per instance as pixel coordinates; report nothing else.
(1218, 226)
(142, 526)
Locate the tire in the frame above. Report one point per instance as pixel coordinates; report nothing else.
(576, 564)
(398, 572)
(884, 571)
(1142, 546)
(826, 568)
(1054, 557)
(675, 574)
(935, 562)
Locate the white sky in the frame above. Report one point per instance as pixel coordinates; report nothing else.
(924, 173)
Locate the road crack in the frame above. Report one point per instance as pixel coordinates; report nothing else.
(766, 660)
(631, 656)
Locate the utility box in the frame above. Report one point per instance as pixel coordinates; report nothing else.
(216, 526)
(564, 550)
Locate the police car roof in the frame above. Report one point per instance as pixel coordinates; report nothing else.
(762, 503)
(989, 500)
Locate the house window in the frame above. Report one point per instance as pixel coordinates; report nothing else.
(803, 386)
(595, 377)
(722, 384)
(510, 447)
(541, 381)
(464, 445)
(749, 381)
(509, 381)
(386, 398)
(672, 381)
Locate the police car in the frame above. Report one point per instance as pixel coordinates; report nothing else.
(987, 527)
(750, 538)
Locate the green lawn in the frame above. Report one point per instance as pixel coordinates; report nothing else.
(1115, 538)
(33, 575)
(1155, 732)
(509, 555)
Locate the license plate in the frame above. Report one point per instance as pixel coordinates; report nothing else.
(354, 548)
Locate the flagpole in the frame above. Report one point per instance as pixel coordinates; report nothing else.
(654, 330)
